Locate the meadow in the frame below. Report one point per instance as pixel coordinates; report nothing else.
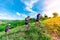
(48, 30)
(17, 32)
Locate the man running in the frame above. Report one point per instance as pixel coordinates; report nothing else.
(27, 22)
(7, 28)
(37, 19)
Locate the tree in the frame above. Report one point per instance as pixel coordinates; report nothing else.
(45, 16)
(32, 20)
(55, 14)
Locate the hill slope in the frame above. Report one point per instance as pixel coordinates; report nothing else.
(53, 26)
(18, 33)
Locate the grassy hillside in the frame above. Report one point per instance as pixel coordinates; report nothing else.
(14, 23)
(53, 25)
(18, 33)
(45, 31)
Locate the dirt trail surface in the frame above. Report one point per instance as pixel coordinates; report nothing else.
(55, 36)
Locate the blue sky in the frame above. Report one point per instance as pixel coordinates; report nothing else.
(19, 9)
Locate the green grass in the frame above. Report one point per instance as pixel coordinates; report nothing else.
(18, 33)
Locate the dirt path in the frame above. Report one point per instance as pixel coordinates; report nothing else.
(55, 36)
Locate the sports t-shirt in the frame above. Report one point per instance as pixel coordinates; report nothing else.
(26, 20)
(7, 27)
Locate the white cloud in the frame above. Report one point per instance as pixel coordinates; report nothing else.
(51, 6)
(18, 13)
(6, 16)
(29, 5)
(21, 15)
(30, 10)
(32, 14)
(9, 16)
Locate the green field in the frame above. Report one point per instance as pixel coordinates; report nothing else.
(17, 31)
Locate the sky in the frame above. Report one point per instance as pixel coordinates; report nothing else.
(20, 9)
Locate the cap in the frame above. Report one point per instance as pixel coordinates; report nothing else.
(9, 24)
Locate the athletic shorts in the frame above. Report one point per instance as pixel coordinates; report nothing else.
(6, 30)
(26, 23)
(37, 20)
